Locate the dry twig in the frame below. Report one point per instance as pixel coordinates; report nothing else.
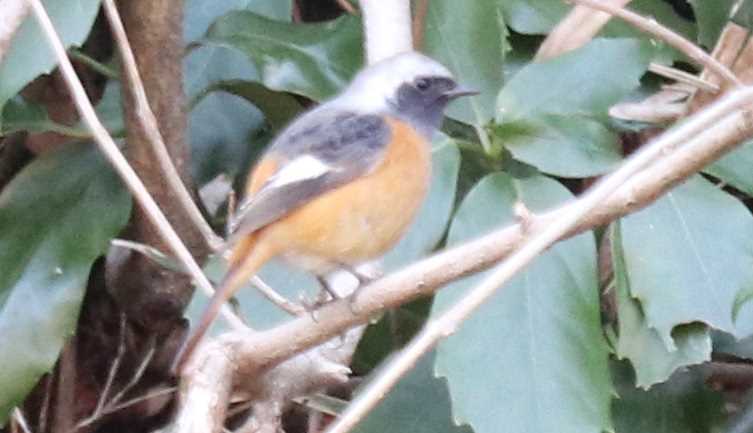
(115, 157)
(149, 124)
(693, 51)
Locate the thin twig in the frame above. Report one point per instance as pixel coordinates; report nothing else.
(115, 157)
(149, 123)
(136, 400)
(107, 406)
(18, 416)
(113, 372)
(683, 77)
(45, 408)
(693, 51)
(446, 324)
(276, 298)
(96, 66)
(12, 16)
(137, 375)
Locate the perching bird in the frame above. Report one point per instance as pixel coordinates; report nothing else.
(341, 184)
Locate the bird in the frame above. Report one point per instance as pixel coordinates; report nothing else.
(342, 182)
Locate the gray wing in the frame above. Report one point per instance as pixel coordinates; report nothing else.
(320, 151)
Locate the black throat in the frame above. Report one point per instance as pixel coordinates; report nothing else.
(423, 110)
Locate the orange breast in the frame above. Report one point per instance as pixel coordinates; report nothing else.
(365, 218)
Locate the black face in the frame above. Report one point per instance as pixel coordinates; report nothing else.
(423, 101)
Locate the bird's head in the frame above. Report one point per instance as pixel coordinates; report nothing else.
(410, 86)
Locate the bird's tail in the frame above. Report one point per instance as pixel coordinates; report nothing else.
(247, 258)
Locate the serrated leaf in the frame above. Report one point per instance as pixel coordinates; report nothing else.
(711, 18)
(501, 360)
(637, 342)
(313, 60)
(586, 81)
(458, 34)
(687, 256)
(684, 404)
(566, 146)
(29, 54)
(56, 217)
(419, 403)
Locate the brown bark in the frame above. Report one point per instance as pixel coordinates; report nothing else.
(152, 295)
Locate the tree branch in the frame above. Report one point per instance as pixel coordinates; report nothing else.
(119, 163)
(135, 87)
(650, 26)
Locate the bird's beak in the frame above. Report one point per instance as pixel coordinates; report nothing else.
(459, 91)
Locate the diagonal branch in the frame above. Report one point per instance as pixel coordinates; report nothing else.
(693, 51)
(118, 161)
(135, 86)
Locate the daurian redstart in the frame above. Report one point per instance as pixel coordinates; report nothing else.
(342, 182)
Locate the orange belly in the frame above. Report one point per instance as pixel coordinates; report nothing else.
(363, 219)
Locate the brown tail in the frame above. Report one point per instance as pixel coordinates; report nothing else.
(239, 273)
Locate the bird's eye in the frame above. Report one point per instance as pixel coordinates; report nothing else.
(422, 84)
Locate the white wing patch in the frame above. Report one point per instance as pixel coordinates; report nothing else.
(302, 168)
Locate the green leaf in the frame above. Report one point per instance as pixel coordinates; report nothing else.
(20, 115)
(549, 113)
(29, 54)
(431, 222)
(220, 129)
(734, 168)
(459, 34)
(56, 217)
(566, 146)
(199, 14)
(533, 16)
(279, 108)
(313, 60)
(637, 342)
(586, 81)
(711, 18)
(682, 405)
(687, 256)
(419, 403)
(534, 355)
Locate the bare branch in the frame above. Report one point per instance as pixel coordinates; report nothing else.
(693, 51)
(115, 157)
(135, 86)
(575, 30)
(12, 16)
